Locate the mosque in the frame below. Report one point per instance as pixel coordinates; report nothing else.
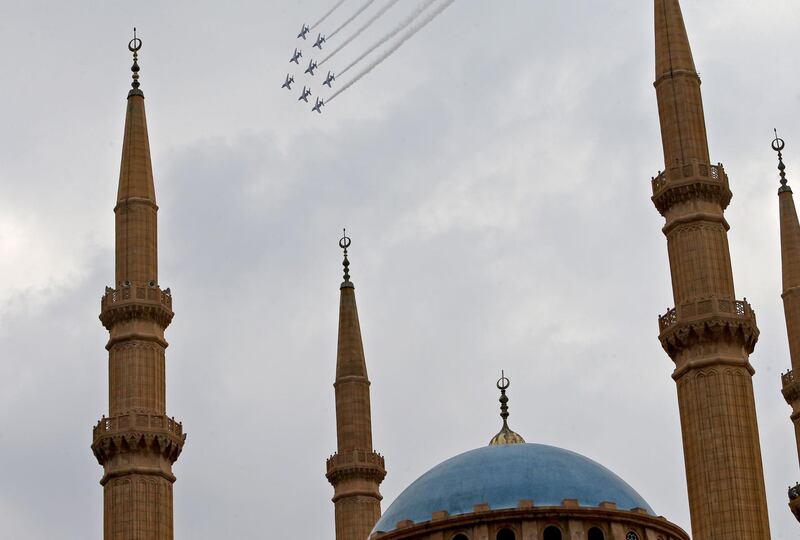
(510, 489)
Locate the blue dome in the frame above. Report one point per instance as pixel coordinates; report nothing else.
(502, 476)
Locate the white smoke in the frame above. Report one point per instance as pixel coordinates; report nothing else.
(328, 14)
(420, 9)
(352, 17)
(361, 30)
(405, 37)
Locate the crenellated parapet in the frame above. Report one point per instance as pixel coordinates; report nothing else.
(691, 181)
(136, 301)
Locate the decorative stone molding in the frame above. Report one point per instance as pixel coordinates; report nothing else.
(526, 518)
(136, 302)
(791, 387)
(131, 432)
(691, 181)
(705, 319)
(794, 501)
(355, 465)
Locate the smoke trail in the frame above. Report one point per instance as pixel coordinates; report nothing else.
(358, 32)
(407, 21)
(348, 21)
(328, 14)
(405, 37)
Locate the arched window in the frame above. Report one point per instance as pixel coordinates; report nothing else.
(596, 534)
(631, 536)
(460, 537)
(552, 533)
(506, 534)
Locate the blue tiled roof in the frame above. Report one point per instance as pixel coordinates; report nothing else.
(502, 476)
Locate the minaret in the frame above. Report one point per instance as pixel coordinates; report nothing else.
(709, 334)
(137, 443)
(790, 258)
(355, 470)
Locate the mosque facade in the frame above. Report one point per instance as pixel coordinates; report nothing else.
(510, 489)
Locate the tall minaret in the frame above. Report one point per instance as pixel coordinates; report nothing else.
(709, 335)
(137, 443)
(790, 258)
(355, 470)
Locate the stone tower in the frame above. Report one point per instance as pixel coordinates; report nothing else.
(355, 470)
(137, 443)
(790, 258)
(709, 334)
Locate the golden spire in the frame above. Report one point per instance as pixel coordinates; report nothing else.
(506, 436)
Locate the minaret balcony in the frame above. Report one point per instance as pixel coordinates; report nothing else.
(356, 464)
(700, 318)
(127, 431)
(791, 390)
(794, 501)
(687, 181)
(136, 300)
(702, 309)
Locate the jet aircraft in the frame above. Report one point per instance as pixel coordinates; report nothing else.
(320, 41)
(318, 106)
(296, 56)
(288, 83)
(303, 32)
(305, 94)
(311, 67)
(329, 79)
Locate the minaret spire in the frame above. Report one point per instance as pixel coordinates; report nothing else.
(790, 262)
(137, 443)
(680, 104)
(709, 334)
(506, 436)
(355, 470)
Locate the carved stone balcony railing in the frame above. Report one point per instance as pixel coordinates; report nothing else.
(790, 388)
(138, 422)
(134, 432)
(693, 179)
(794, 501)
(136, 300)
(703, 308)
(698, 321)
(356, 464)
(148, 293)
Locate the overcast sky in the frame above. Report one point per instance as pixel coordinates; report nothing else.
(494, 176)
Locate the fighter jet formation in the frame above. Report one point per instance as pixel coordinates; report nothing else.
(420, 16)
